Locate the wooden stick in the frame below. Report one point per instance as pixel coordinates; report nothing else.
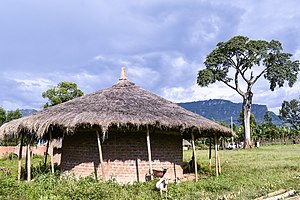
(51, 152)
(100, 156)
(219, 162)
(278, 192)
(20, 158)
(209, 155)
(149, 153)
(46, 154)
(195, 157)
(175, 174)
(282, 196)
(28, 160)
(26, 157)
(216, 156)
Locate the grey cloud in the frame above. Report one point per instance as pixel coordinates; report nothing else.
(89, 41)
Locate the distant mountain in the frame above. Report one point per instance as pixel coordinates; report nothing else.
(26, 112)
(220, 109)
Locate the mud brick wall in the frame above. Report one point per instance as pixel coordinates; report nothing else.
(125, 155)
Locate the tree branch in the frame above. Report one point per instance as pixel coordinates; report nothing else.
(237, 89)
(232, 63)
(258, 76)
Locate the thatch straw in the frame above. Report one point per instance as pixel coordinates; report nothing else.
(123, 105)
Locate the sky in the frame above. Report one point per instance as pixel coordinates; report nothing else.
(162, 44)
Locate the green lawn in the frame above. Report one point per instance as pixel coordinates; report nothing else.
(246, 174)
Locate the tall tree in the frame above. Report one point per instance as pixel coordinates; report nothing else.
(239, 63)
(290, 113)
(253, 123)
(64, 91)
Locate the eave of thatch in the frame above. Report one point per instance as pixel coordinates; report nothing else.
(123, 105)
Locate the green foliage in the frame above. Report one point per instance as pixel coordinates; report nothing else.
(268, 131)
(268, 118)
(246, 174)
(234, 61)
(241, 54)
(290, 113)
(11, 115)
(63, 92)
(2, 116)
(6, 117)
(205, 77)
(223, 123)
(9, 141)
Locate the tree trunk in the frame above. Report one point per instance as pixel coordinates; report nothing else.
(247, 113)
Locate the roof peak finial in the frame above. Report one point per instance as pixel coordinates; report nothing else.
(123, 74)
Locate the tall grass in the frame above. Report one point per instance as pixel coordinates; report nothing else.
(246, 174)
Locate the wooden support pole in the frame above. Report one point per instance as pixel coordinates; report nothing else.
(51, 152)
(149, 153)
(195, 157)
(101, 156)
(219, 158)
(219, 162)
(216, 155)
(28, 159)
(209, 155)
(20, 158)
(46, 154)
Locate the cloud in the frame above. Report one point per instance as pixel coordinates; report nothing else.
(151, 70)
(28, 88)
(162, 43)
(196, 93)
(262, 94)
(296, 55)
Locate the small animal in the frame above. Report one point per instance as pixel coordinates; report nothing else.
(162, 185)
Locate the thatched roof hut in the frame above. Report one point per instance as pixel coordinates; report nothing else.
(125, 107)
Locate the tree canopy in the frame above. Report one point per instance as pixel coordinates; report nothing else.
(6, 116)
(64, 91)
(242, 55)
(9, 115)
(239, 63)
(290, 113)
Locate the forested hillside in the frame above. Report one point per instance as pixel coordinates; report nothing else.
(220, 109)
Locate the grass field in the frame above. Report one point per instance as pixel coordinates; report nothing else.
(246, 174)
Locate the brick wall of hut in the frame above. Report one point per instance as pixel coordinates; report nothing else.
(125, 155)
(35, 150)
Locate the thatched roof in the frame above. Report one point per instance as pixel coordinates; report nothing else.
(124, 105)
